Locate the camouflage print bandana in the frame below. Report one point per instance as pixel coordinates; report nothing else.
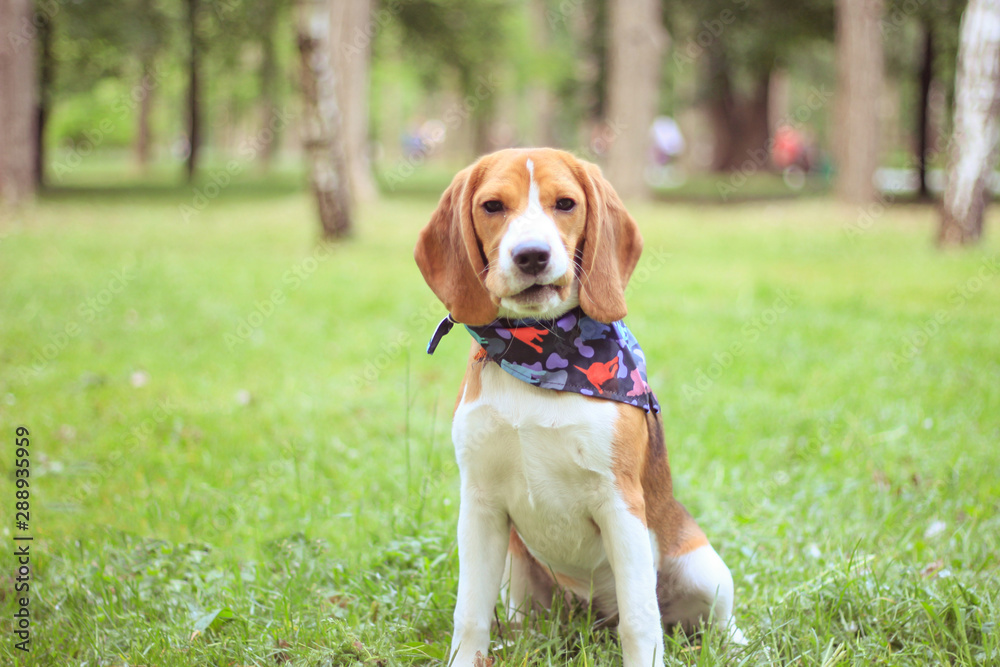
(571, 353)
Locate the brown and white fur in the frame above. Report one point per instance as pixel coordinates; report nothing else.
(559, 491)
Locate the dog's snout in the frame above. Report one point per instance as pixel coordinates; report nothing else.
(531, 257)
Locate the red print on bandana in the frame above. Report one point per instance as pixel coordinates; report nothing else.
(599, 373)
(528, 336)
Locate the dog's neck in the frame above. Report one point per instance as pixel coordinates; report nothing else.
(572, 353)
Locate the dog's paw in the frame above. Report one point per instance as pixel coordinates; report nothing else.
(482, 661)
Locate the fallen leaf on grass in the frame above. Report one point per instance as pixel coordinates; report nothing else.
(282, 656)
(932, 568)
(881, 481)
(342, 601)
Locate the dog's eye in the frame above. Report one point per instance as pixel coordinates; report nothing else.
(493, 206)
(565, 204)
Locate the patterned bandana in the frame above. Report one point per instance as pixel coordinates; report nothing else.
(572, 353)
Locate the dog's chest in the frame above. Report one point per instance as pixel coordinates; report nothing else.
(545, 458)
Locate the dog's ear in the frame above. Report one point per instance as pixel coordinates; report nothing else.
(611, 248)
(449, 256)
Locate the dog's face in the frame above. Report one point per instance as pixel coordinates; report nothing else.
(529, 233)
(529, 220)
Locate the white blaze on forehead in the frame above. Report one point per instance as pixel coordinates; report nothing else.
(534, 203)
(533, 225)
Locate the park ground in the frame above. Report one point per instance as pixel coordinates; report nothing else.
(240, 452)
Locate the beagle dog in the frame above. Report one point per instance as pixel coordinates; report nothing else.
(561, 490)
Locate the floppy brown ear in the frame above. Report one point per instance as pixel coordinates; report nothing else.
(449, 257)
(611, 248)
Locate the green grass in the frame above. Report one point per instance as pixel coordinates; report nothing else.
(838, 445)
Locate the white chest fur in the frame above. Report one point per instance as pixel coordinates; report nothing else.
(545, 459)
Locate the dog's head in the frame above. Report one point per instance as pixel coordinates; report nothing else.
(529, 233)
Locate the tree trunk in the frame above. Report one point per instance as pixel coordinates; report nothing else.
(977, 124)
(756, 130)
(859, 92)
(18, 111)
(351, 49)
(722, 108)
(142, 134)
(741, 124)
(924, 108)
(46, 70)
(321, 127)
(194, 94)
(637, 41)
(482, 123)
(268, 108)
(597, 40)
(540, 96)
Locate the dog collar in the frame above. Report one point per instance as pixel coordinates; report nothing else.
(570, 353)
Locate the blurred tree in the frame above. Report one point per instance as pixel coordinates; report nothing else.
(322, 129)
(928, 58)
(146, 27)
(540, 93)
(636, 44)
(193, 90)
(243, 53)
(46, 67)
(18, 110)
(924, 106)
(739, 120)
(351, 43)
(977, 125)
(120, 42)
(578, 30)
(859, 91)
(123, 69)
(269, 15)
(739, 45)
(467, 37)
(566, 70)
(596, 49)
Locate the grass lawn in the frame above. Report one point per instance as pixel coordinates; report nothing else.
(240, 453)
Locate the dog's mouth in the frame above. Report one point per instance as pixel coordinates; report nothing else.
(535, 293)
(541, 301)
(534, 300)
(543, 291)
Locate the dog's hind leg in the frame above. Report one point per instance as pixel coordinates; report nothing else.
(694, 586)
(527, 584)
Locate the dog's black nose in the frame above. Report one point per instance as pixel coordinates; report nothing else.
(531, 257)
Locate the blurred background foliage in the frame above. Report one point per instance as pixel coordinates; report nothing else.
(118, 72)
(718, 99)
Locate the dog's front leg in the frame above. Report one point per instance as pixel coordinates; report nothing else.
(627, 544)
(483, 534)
